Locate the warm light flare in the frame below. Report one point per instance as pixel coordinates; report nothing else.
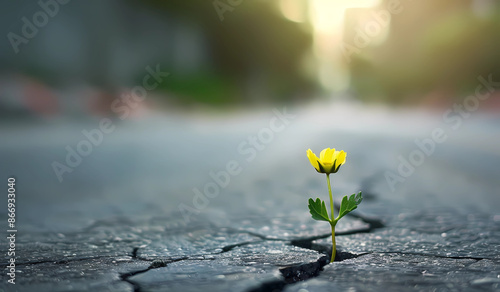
(328, 15)
(327, 19)
(294, 10)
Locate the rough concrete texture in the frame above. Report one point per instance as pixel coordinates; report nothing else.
(114, 223)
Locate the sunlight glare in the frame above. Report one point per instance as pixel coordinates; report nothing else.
(327, 19)
(294, 10)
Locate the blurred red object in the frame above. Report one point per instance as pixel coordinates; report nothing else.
(39, 98)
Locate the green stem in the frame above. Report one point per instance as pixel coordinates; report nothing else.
(330, 192)
(332, 222)
(334, 247)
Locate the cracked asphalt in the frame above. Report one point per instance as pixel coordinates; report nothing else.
(114, 223)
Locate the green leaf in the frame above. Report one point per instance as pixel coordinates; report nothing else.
(318, 210)
(349, 205)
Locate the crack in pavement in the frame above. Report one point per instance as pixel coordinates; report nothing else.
(294, 273)
(372, 225)
(291, 274)
(232, 246)
(307, 271)
(300, 272)
(155, 264)
(431, 255)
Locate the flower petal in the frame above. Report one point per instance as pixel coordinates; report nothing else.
(329, 154)
(313, 159)
(335, 155)
(341, 157)
(323, 153)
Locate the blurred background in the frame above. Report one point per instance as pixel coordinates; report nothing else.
(343, 66)
(245, 53)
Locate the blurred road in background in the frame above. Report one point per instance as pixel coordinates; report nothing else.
(162, 158)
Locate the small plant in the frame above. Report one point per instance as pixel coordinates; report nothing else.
(329, 161)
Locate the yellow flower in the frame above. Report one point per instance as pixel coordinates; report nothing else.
(329, 160)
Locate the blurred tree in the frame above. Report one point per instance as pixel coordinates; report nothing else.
(255, 53)
(434, 48)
